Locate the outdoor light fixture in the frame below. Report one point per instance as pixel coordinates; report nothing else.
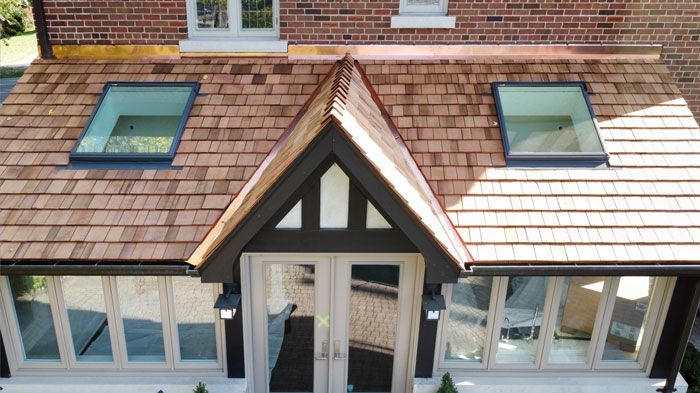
(433, 303)
(227, 304)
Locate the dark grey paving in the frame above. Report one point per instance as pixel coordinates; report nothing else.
(6, 85)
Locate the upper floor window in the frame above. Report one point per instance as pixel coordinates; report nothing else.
(136, 122)
(247, 19)
(423, 7)
(551, 122)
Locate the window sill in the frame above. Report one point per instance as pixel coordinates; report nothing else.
(423, 22)
(194, 45)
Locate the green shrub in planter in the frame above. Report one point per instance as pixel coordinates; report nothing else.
(13, 19)
(200, 388)
(690, 369)
(447, 385)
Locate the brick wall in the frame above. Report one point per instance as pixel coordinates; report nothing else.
(676, 24)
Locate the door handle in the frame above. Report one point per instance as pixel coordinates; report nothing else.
(336, 351)
(324, 351)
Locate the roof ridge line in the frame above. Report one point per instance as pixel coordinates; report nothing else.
(340, 87)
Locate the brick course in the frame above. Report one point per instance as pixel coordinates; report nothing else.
(675, 24)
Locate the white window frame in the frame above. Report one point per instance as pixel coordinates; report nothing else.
(235, 30)
(653, 324)
(19, 365)
(407, 9)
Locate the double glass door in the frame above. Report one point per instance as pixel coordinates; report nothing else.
(324, 323)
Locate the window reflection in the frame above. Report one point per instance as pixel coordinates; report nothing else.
(521, 320)
(212, 14)
(31, 301)
(139, 304)
(468, 312)
(195, 319)
(628, 319)
(575, 321)
(87, 317)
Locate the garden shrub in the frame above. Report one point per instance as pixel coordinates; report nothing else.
(447, 385)
(200, 388)
(13, 19)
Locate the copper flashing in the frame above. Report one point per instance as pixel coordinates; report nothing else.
(415, 52)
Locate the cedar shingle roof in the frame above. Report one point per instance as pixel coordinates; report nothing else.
(644, 209)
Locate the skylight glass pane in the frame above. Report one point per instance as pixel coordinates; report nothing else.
(136, 119)
(547, 119)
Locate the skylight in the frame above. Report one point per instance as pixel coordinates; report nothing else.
(136, 122)
(548, 122)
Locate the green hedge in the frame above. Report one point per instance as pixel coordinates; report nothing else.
(691, 369)
(13, 19)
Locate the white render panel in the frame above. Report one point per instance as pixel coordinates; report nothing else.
(291, 220)
(375, 220)
(335, 196)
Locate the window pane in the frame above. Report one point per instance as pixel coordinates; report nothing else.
(576, 316)
(522, 318)
(256, 14)
(31, 302)
(87, 317)
(628, 319)
(194, 314)
(139, 304)
(548, 119)
(212, 14)
(136, 119)
(468, 313)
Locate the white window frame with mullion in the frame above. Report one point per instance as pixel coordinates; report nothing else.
(498, 315)
(165, 323)
(551, 325)
(653, 323)
(178, 363)
(235, 30)
(659, 297)
(66, 332)
(442, 326)
(406, 9)
(17, 362)
(10, 324)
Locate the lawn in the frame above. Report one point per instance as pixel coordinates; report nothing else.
(17, 48)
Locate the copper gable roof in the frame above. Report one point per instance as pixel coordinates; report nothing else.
(644, 209)
(346, 98)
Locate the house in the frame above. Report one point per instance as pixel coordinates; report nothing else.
(184, 200)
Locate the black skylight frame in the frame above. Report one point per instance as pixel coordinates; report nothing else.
(135, 158)
(569, 159)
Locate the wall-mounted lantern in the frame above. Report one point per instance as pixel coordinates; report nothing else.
(433, 303)
(227, 304)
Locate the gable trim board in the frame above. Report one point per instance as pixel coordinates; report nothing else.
(367, 144)
(440, 267)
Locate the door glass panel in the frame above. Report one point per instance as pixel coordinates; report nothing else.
(468, 313)
(290, 327)
(195, 319)
(139, 304)
(576, 317)
(256, 14)
(521, 320)
(374, 294)
(31, 301)
(212, 14)
(87, 317)
(628, 319)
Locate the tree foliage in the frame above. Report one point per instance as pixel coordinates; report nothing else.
(447, 385)
(13, 19)
(690, 369)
